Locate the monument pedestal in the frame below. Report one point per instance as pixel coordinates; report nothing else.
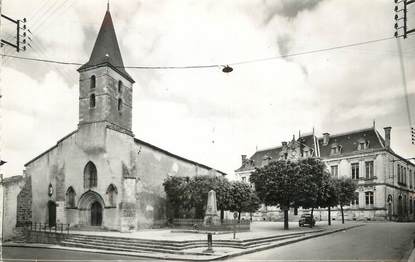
(211, 216)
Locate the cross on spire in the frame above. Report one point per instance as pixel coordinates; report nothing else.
(108, 5)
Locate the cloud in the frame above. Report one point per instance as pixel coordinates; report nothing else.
(204, 114)
(35, 115)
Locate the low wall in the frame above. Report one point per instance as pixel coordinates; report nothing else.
(226, 225)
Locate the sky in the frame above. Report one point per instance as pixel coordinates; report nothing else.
(204, 114)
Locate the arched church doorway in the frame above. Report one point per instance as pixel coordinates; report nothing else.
(91, 209)
(52, 213)
(96, 214)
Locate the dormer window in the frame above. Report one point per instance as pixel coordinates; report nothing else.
(265, 160)
(362, 144)
(92, 82)
(335, 149)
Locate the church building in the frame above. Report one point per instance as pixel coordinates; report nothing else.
(100, 175)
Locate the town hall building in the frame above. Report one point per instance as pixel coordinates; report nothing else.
(100, 175)
(385, 180)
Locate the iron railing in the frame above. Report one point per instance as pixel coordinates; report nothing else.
(45, 227)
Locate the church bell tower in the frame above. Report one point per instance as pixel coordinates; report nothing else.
(105, 88)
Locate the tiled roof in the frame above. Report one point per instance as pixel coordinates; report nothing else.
(106, 51)
(349, 142)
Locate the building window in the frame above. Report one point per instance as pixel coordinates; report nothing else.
(90, 175)
(410, 178)
(334, 171)
(369, 198)
(362, 144)
(404, 175)
(92, 101)
(355, 171)
(410, 206)
(119, 87)
(369, 169)
(355, 201)
(70, 197)
(92, 82)
(119, 104)
(335, 149)
(112, 193)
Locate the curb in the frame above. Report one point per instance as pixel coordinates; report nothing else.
(180, 257)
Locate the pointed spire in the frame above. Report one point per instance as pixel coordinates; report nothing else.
(106, 51)
(108, 5)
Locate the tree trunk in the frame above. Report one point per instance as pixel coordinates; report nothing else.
(239, 216)
(341, 208)
(329, 215)
(285, 218)
(222, 215)
(312, 211)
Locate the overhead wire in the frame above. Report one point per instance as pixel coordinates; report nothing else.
(213, 65)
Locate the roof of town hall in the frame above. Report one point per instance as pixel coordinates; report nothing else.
(106, 51)
(348, 142)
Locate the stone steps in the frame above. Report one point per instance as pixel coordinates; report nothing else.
(164, 246)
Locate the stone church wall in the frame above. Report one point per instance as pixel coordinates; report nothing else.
(24, 203)
(11, 188)
(154, 165)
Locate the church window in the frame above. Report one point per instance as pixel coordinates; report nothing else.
(90, 175)
(70, 197)
(112, 195)
(92, 82)
(119, 104)
(92, 101)
(119, 87)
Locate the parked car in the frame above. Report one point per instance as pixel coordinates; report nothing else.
(307, 219)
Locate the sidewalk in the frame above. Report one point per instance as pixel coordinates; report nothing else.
(263, 235)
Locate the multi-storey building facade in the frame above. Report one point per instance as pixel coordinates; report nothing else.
(386, 181)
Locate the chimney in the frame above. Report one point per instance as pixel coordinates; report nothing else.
(387, 136)
(284, 145)
(326, 138)
(243, 157)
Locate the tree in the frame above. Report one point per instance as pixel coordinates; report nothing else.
(329, 195)
(243, 198)
(279, 183)
(345, 193)
(199, 187)
(313, 175)
(252, 205)
(177, 194)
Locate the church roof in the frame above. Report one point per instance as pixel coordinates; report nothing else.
(106, 51)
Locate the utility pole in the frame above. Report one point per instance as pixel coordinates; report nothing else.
(23, 38)
(402, 30)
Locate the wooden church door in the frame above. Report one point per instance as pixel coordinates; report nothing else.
(52, 213)
(96, 214)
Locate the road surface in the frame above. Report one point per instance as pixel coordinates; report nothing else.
(373, 241)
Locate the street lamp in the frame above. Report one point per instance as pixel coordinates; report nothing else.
(227, 69)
